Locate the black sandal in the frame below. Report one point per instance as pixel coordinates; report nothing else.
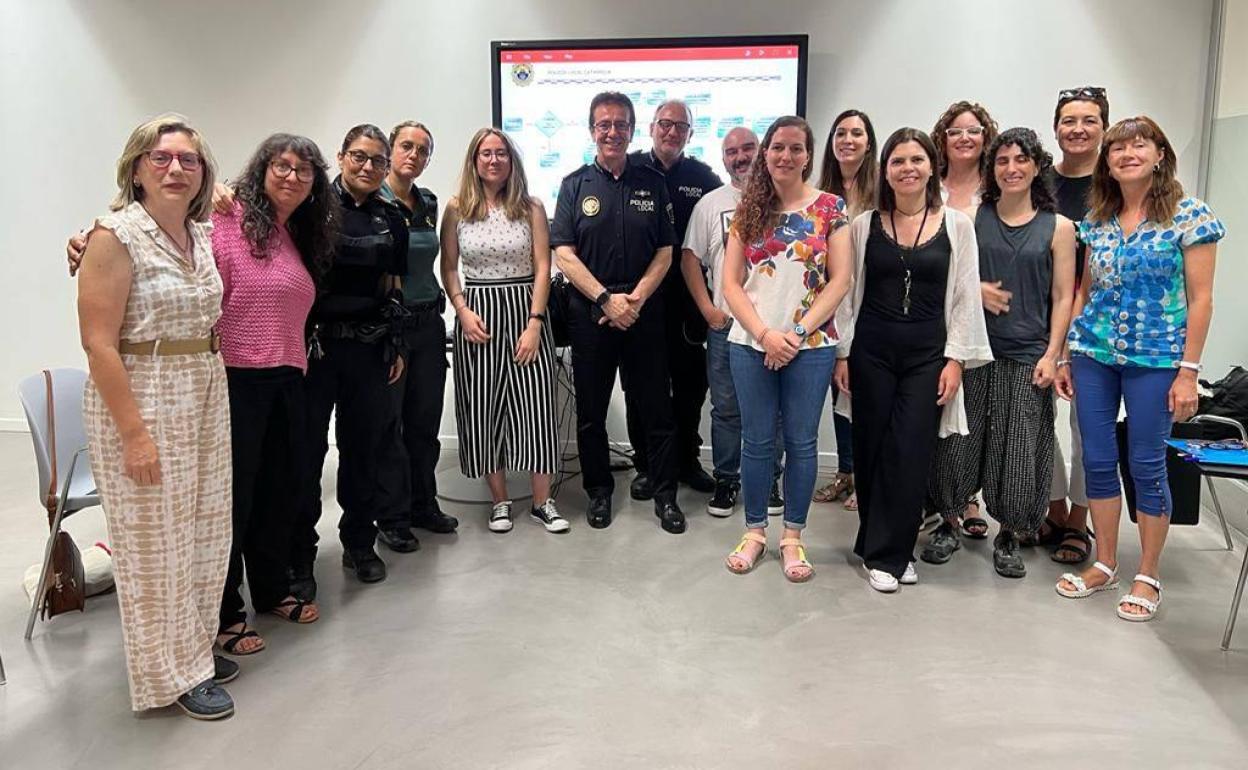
(975, 528)
(235, 637)
(291, 609)
(1082, 546)
(1040, 537)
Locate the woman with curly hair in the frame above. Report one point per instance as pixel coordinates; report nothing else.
(1028, 250)
(273, 248)
(1141, 319)
(909, 327)
(786, 269)
(960, 135)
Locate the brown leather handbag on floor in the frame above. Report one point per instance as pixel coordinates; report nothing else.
(65, 587)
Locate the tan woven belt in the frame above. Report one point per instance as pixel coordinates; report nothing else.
(210, 344)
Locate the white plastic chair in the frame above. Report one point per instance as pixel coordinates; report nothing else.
(77, 490)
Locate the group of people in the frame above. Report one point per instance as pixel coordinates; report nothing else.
(944, 286)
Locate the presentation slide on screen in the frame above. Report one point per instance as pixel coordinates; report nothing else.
(545, 97)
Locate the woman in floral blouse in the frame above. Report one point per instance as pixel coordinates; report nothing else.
(1140, 326)
(786, 269)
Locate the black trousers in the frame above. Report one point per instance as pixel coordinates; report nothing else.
(414, 458)
(638, 353)
(686, 365)
(350, 380)
(894, 368)
(267, 430)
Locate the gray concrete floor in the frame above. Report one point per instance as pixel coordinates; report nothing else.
(632, 648)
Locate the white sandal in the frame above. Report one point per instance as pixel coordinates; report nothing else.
(1150, 607)
(1082, 589)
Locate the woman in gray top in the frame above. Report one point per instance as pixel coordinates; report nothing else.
(1027, 270)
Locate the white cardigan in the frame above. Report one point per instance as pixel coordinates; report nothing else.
(966, 332)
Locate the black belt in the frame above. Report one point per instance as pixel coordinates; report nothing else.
(347, 330)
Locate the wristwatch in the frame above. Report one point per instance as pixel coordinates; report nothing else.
(1194, 366)
(539, 317)
(602, 298)
(800, 331)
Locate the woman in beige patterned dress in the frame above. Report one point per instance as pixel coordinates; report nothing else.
(157, 416)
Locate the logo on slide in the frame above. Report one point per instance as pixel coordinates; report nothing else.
(590, 206)
(522, 74)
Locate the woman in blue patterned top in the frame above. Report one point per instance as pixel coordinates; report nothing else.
(1141, 320)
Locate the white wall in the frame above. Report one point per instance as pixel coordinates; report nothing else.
(77, 76)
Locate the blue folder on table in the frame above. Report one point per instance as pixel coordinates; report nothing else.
(1207, 456)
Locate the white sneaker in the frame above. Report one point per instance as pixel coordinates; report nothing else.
(909, 577)
(881, 580)
(500, 517)
(548, 516)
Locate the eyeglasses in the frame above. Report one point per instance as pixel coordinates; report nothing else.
(667, 125)
(189, 161)
(488, 155)
(304, 172)
(415, 149)
(360, 158)
(956, 133)
(1082, 92)
(621, 126)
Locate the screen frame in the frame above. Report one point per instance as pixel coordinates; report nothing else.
(497, 47)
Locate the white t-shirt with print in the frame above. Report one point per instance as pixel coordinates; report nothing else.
(707, 236)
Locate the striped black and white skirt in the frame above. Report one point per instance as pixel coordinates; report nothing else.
(505, 411)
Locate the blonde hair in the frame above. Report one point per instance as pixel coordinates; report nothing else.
(473, 204)
(144, 138)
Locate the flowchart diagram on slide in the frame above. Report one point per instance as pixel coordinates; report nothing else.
(545, 96)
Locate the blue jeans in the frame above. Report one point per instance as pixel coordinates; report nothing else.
(725, 413)
(795, 394)
(844, 438)
(1100, 388)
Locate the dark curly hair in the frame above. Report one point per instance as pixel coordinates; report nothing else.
(1026, 140)
(313, 226)
(758, 210)
(946, 119)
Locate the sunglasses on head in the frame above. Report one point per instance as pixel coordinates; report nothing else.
(1083, 92)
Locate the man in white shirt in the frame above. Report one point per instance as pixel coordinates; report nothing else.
(704, 244)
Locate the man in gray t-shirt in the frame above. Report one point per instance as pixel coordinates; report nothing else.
(705, 240)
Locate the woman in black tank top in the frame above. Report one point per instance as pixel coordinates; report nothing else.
(1026, 265)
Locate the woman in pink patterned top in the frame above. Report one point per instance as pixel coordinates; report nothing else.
(786, 269)
(271, 249)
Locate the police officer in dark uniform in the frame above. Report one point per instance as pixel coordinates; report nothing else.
(423, 385)
(688, 179)
(614, 240)
(354, 361)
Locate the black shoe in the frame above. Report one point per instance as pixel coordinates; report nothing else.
(697, 479)
(775, 502)
(724, 500)
(1006, 559)
(599, 513)
(302, 583)
(435, 521)
(368, 566)
(641, 488)
(671, 518)
(223, 669)
(943, 542)
(398, 539)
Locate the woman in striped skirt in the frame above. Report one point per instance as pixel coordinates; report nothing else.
(1027, 275)
(497, 236)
